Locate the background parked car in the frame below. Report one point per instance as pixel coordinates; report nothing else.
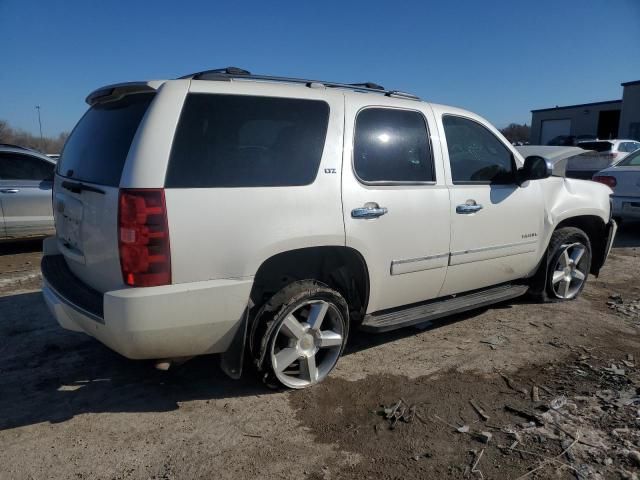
(624, 179)
(25, 193)
(602, 154)
(569, 140)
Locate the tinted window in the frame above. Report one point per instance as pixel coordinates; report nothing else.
(476, 155)
(15, 166)
(628, 147)
(98, 146)
(632, 160)
(392, 146)
(597, 146)
(246, 141)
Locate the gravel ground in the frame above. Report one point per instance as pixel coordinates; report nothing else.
(71, 408)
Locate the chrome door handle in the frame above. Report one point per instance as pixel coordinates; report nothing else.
(469, 207)
(370, 210)
(9, 190)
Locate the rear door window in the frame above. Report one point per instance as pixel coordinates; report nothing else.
(247, 141)
(98, 146)
(16, 166)
(392, 146)
(476, 155)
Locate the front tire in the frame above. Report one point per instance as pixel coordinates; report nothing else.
(568, 265)
(300, 334)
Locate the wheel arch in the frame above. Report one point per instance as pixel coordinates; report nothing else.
(341, 268)
(596, 230)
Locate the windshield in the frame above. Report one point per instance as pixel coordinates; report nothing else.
(98, 146)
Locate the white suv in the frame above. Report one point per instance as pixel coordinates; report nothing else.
(232, 213)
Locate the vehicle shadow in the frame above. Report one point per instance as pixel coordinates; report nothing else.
(628, 235)
(48, 374)
(365, 340)
(22, 246)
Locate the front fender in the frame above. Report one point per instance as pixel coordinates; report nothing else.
(567, 198)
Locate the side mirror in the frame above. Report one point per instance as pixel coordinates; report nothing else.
(534, 168)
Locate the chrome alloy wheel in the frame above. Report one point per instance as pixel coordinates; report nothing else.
(307, 344)
(569, 274)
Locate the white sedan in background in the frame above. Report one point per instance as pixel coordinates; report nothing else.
(624, 180)
(601, 154)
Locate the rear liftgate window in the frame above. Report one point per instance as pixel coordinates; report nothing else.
(98, 146)
(247, 141)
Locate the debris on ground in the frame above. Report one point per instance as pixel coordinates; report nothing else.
(398, 412)
(629, 309)
(535, 393)
(479, 410)
(558, 403)
(587, 427)
(484, 437)
(495, 341)
(474, 467)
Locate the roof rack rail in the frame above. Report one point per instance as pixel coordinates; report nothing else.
(230, 73)
(371, 85)
(227, 71)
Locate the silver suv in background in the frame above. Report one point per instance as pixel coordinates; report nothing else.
(601, 154)
(26, 180)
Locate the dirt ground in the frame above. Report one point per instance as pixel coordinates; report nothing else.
(520, 390)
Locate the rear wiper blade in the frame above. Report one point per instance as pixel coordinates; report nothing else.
(77, 187)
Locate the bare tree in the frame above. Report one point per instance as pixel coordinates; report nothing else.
(25, 139)
(516, 132)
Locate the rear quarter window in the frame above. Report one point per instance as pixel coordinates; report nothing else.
(98, 146)
(247, 141)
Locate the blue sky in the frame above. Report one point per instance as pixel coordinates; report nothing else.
(499, 58)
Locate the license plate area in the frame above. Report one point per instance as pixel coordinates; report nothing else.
(69, 214)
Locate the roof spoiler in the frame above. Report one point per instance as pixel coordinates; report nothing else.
(117, 91)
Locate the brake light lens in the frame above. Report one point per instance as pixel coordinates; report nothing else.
(610, 182)
(143, 237)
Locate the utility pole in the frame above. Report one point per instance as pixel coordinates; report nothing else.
(40, 123)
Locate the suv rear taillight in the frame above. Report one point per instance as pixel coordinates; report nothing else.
(610, 182)
(143, 237)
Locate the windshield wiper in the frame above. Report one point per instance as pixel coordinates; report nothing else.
(77, 187)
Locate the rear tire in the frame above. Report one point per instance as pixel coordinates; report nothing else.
(299, 334)
(567, 266)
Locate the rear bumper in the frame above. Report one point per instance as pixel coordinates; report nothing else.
(148, 323)
(623, 207)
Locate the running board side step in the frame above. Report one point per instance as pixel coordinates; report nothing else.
(391, 320)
